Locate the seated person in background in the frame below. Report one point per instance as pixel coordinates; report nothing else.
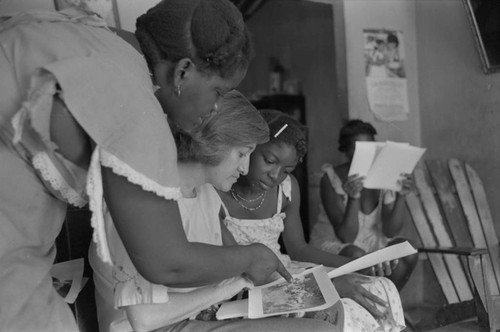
(214, 153)
(354, 220)
(264, 204)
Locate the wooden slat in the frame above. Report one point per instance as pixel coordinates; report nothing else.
(436, 260)
(442, 237)
(472, 217)
(452, 210)
(486, 220)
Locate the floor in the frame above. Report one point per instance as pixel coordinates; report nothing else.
(468, 326)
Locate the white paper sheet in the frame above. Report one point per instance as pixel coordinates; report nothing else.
(68, 278)
(385, 254)
(383, 163)
(311, 290)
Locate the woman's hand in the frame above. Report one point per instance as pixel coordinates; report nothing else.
(407, 184)
(353, 186)
(382, 269)
(264, 262)
(350, 286)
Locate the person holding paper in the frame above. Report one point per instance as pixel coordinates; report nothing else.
(214, 153)
(264, 205)
(354, 220)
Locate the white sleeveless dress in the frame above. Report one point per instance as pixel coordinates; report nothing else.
(347, 315)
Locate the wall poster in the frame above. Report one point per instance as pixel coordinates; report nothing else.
(385, 74)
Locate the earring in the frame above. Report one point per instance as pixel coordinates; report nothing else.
(177, 91)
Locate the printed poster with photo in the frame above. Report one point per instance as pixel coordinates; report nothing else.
(385, 74)
(311, 290)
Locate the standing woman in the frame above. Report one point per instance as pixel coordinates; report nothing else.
(76, 102)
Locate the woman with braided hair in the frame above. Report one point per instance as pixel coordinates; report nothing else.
(264, 205)
(82, 121)
(211, 155)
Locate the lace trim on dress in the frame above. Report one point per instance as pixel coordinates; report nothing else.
(33, 137)
(95, 192)
(49, 172)
(120, 168)
(96, 200)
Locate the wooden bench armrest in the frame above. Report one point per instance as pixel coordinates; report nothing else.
(462, 251)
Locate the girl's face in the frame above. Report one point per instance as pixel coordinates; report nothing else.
(358, 138)
(224, 175)
(270, 164)
(199, 94)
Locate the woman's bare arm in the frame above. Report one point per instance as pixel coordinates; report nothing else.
(344, 220)
(151, 228)
(293, 236)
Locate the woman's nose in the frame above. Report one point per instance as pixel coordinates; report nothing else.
(274, 173)
(244, 165)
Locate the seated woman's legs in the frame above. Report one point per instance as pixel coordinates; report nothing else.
(352, 251)
(403, 270)
(276, 324)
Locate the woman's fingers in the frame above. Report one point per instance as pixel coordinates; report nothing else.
(284, 272)
(369, 302)
(394, 264)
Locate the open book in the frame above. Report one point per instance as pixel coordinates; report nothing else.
(382, 163)
(312, 290)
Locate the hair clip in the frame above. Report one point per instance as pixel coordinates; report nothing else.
(281, 130)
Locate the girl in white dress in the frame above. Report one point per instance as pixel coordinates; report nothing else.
(354, 220)
(264, 204)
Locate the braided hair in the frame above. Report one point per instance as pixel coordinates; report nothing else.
(211, 33)
(236, 123)
(284, 129)
(350, 130)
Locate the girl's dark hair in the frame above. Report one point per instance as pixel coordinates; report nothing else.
(350, 130)
(236, 123)
(211, 33)
(294, 134)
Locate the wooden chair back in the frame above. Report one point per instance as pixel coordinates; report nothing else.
(450, 211)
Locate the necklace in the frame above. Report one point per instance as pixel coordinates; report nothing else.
(246, 199)
(240, 200)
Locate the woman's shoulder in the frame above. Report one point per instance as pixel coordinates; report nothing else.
(342, 170)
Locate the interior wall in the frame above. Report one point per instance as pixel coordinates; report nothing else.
(460, 105)
(382, 14)
(299, 34)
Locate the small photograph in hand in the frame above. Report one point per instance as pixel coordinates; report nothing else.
(300, 294)
(308, 291)
(62, 286)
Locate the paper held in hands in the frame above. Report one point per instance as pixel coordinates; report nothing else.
(382, 163)
(390, 253)
(310, 290)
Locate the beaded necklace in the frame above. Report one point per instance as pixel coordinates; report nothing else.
(240, 200)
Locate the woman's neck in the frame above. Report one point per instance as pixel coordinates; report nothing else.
(246, 189)
(191, 175)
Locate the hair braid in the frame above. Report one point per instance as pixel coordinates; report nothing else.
(211, 33)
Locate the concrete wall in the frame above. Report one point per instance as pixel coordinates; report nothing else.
(300, 34)
(382, 14)
(460, 105)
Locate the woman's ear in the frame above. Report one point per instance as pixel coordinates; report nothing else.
(183, 71)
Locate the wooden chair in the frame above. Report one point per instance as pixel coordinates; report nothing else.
(452, 218)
